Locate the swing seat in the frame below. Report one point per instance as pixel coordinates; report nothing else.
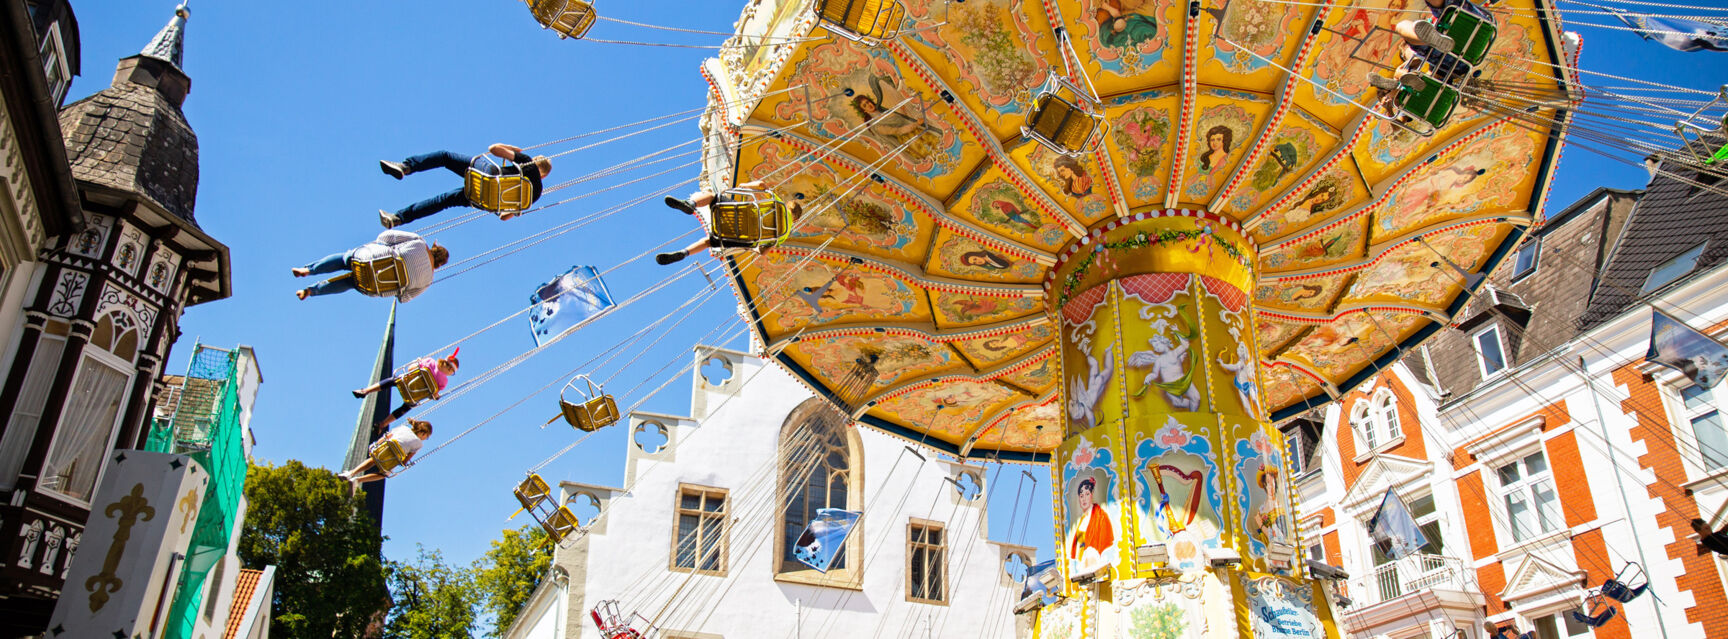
(388, 455)
(1472, 31)
(570, 18)
(1620, 592)
(1505, 632)
(751, 218)
(868, 21)
(613, 625)
(591, 409)
(1432, 104)
(1061, 125)
(1721, 154)
(416, 385)
(491, 185)
(559, 524)
(1597, 620)
(380, 277)
(532, 493)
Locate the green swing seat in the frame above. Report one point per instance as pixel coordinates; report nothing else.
(1472, 32)
(1432, 104)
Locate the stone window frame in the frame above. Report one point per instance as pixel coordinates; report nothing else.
(851, 576)
(1378, 410)
(679, 512)
(920, 545)
(1499, 345)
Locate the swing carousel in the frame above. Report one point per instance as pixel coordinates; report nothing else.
(1124, 238)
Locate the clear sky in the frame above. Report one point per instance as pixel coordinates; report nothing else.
(295, 103)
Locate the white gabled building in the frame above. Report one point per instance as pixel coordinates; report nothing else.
(697, 538)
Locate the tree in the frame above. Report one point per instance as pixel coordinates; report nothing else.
(509, 573)
(431, 600)
(329, 576)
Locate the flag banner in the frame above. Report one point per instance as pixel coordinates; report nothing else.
(1676, 33)
(1683, 348)
(1393, 530)
(564, 302)
(1034, 582)
(824, 537)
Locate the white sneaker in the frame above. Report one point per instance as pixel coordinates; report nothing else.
(1431, 36)
(388, 220)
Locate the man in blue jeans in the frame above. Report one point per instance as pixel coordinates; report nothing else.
(534, 168)
(419, 261)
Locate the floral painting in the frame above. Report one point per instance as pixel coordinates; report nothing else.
(988, 39)
(1141, 136)
(1251, 33)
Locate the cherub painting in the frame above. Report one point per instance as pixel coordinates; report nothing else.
(1086, 391)
(1169, 367)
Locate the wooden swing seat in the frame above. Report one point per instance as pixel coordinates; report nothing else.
(1062, 126)
(416, 385)
(570, 18)
(498, 193)
(867, 21)
(751, 217)
(1472, 31)
(388, 455)
(591, 415)
(378, 277)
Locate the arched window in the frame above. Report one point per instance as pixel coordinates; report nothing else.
(1376, 420)
(94, 406)
(821, 465)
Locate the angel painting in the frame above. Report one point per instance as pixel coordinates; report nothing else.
(1084, 393)
(1171, 370)
(1243, 370)
(885, 108)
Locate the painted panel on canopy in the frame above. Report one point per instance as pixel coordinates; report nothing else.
(1313, 295)
(1495, 172)
(1092, 496)
(1415, 274)
(991, 350)
(991, 202)
(1127, 45)
(1357, 39)
(1286, 386)
(889, 111)
(1345, 345)
(1224, 130)
(862, 215)
(1141, 142)
(1029, 428)
(962, 310)
(1274, 335)
(1178, 485)
(795, 291)
(1037, 378)
(1230, 352)
(767, 37)
(948, 410)
(1162, 344)
(1251, 41)
(897, 357)
(1339, 243)
(957, 256)
(993, 54)
(1075, 183)
(1262, 490)
(1092, 360)
(1300, 144)
(1339, 189)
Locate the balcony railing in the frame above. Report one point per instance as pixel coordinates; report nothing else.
(1411, 574)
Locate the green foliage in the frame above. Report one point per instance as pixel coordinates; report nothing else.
(1161, 621)
(509, 572)
(329, 576)
(430, 599)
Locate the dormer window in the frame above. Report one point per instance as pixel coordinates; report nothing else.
(1524, 262)
(1673, 269)
(1490, 351)
(54, 66)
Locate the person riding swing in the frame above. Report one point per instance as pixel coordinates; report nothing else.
(439, 370)
(398, 263)
(534, 168)
(409, 437)
(761, 233)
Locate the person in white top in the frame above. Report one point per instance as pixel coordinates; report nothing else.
(419, 259)
(411, 437)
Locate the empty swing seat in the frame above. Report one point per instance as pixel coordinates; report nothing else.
(1062, 126)
(559, 524)
(379, 277)
(570, 18)
(416, 385)
(1472, 31)
(388, 455)
(751, 218)
(1433, 103)
(533, 492)
(867, 21)
(591, 410)
(496, 186)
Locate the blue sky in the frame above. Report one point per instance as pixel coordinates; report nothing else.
(294, 105)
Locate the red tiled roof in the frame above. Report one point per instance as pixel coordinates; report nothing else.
(243, 587)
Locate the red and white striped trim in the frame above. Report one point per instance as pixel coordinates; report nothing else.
(1097, 234)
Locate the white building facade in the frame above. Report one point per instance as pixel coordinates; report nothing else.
(696, 539)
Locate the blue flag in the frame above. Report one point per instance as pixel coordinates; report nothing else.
(565, 302)
(1394, 530)
(824, 537)
(1683, 348)
(1677, 34)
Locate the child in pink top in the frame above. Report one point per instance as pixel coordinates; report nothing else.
(441, 370)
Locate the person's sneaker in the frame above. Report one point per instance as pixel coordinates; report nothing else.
(1429, 35)
(1382, 82)
(668, 258)
(393, 169)
(388, 219)
(680, 205)
(1415, 82)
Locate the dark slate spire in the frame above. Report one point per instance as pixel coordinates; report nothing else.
(169, 42)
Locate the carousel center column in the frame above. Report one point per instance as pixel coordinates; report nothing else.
(1171, 500)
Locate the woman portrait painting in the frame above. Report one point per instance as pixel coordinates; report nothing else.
(1323, 197)
(1126, 23)
(1091, 535)
(1269, 523)
(1073, 176)
(1218, 143)
(985, 260)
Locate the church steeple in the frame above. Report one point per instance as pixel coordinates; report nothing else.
(168, 44)
(158, 65)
